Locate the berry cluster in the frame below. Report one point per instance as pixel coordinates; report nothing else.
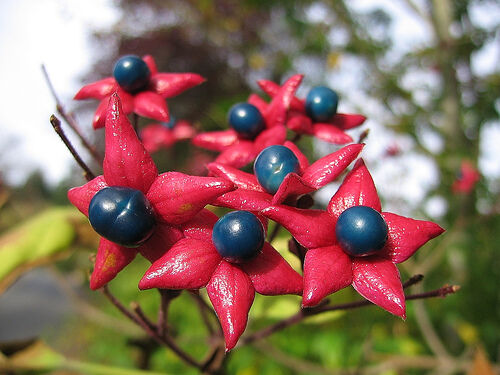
(164, 217)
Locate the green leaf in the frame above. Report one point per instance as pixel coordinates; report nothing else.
(41, 358)
(37, 241)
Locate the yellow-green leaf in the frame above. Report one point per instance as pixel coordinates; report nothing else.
(37, 241)
(41, 358)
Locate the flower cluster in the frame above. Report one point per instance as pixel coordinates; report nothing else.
(167, 218)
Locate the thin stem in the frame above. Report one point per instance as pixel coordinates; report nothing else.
(135, 123)
(204, 311)
(70, 119)
(363, 135)
(107, 293)
(304, 313)
(296, 138)
(415, 279)
(164, 341)
(161, 325)
(56, 124)
(166, 297)
(142, 316)
(429, 333)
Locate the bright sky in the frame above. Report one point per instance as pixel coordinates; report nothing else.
(54, 33)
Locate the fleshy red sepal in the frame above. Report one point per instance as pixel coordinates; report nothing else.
(330, 133)
(81, 196)
(200, 227)
(189, 264)
(150, 104)
(379, 282)
(241, 179)
(97, 90)
(162, 239)
(329, 167)
(177, 197)
(272, 89)
(311, 228)
(241, 199)
(347, 121)
(111, 258)
(231, 292)
(406, 236)
(269, 137)
(237, 155)
(280, 103)
(126, 161)
(357, 189)
(217, 140)
(326, 270)
(172, 84)
(303, 162)
(292, 186)
(271, 275)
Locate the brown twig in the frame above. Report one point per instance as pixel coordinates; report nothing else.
(70, 119)
(415, 279)
(363, 135)
(205, 309)
(56, 124)
(164, 341)
(304, 313)
(135, 123)
(166, 297)
(142, 316)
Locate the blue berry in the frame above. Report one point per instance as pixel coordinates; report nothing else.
(131, 73)
(122, 215)
(361, 231)
(273, 164)
(171, 123)
(246, 119)
(321, 103)
(238, 236)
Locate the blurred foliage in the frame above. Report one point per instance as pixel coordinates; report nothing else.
(431, 89)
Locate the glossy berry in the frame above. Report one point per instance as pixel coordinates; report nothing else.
(272, 165)
(131, 73)
(122, 215)
(246, 120)
(238, 236)
(321, 103)
(361, 231)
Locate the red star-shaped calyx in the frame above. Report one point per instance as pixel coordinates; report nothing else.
(467, 178)
(332, 131)
(194, 263)
(149, 102)
(327, 268)
(238, 151)
(251, 196)
(156, 136)
(175, 197)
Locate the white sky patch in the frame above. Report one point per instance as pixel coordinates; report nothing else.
(55, 34)
(489, 160)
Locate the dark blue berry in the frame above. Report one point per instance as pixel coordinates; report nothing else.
(238, 236)
(246, 119)
(321, 103)
(122, 215)
(171, 123)
(272, 165)
(131, 73)
(361, 231)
